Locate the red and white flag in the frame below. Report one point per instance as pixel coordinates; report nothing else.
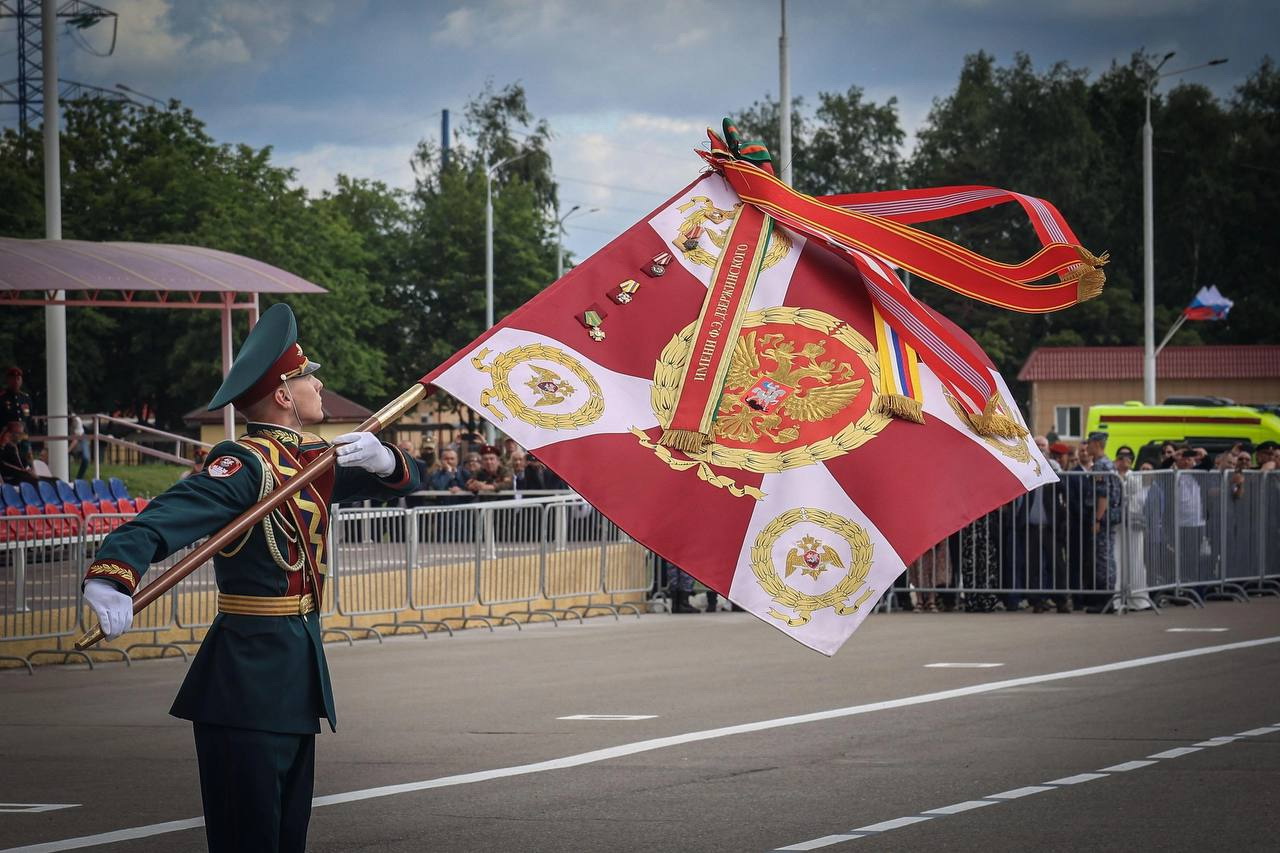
(808, 497)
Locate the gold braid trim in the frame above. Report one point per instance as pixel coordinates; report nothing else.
(276, 517)
(900, 406)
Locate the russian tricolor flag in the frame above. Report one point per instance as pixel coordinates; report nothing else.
(1208, 304)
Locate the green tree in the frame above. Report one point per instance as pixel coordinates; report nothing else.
(849, 145)
(155, 175)
(442, 295)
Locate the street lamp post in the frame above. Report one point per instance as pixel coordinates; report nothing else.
(489, 172)
(1148, 232)
(560, 220)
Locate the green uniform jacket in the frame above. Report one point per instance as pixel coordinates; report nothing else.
(254, 672)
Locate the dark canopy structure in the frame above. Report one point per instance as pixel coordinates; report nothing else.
(77, 273)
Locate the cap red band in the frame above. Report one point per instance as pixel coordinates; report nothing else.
(288, 365)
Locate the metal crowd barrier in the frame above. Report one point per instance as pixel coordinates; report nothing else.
(1163, 536)
(423, 569)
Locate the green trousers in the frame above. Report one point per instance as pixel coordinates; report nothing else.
(256, 788)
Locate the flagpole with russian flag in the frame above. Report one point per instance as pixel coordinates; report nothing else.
(1208, 304)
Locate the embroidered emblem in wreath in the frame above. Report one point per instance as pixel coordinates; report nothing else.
(800, 389)
(829, 542)
(701, 213)
(540, 385)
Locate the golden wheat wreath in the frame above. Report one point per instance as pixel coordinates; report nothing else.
(500, 371)
(766, 573)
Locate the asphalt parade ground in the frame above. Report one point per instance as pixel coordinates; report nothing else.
(713, 733)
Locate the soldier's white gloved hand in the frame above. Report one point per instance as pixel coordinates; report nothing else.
(113, 608)
(363, 450)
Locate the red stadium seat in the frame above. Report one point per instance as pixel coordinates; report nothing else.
(141, 503)
(60, 526)
(126, 505)
(11, 528)
(38, 529)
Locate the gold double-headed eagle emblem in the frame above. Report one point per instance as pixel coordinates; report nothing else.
(813, 557)
(547, 391)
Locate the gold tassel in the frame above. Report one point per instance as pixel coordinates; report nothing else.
(684, 440)
(1090, 284)
(1090, 281)
(900, 406)
(992, 423)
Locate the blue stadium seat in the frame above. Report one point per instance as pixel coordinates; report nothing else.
(118, 489)
(10, 497)
(48, 494)
(101, 492)
(67, 493)
(30, 497)
(84, 492)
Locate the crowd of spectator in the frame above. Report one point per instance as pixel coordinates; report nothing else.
(467, 470)
(1060, 547)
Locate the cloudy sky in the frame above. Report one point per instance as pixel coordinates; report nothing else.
(628, 87)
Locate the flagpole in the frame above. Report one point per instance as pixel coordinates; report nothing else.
(380, 420)
(784, 103)
(1177, 324)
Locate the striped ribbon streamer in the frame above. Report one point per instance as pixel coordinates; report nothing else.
(911, 207)
(900, 394)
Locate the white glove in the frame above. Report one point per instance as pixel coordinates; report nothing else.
(363, 450)
(113, 607)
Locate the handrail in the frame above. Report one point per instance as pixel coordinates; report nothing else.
(143, 428)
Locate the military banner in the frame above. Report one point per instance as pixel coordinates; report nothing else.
(806, 496)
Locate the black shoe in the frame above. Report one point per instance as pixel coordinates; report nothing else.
(713, 598)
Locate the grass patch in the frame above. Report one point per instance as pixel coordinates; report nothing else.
(143, 480)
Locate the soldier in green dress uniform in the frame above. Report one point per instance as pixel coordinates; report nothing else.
(259, 685)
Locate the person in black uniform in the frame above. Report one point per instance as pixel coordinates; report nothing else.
(259, 684)
(16, 405)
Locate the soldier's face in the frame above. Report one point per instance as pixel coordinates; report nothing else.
(306, 397)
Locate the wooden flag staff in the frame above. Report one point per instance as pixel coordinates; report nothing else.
(380, 420)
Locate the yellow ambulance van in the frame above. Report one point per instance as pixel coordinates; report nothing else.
(1214, 423)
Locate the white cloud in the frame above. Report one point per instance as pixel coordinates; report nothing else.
(319, 166)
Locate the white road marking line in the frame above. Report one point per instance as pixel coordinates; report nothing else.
(962, 665)
(1077, 779)
(957, 808)
(1126, 766)
(1019, 793)
(636, 747)
(1176, 753)
(824, 841)
(1265, 730)
(1195, 630)
(610, 717)
(896, 823)
(1007, 796)
(33, 808)
(1217, 741)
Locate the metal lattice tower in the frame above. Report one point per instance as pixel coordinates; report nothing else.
(26, 91)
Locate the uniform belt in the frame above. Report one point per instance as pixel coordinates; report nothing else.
(266, 605)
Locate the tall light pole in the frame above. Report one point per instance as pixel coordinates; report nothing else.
(560, 220)
(784, 103)
(55, 316)
(489, 172)
(1148, 232)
